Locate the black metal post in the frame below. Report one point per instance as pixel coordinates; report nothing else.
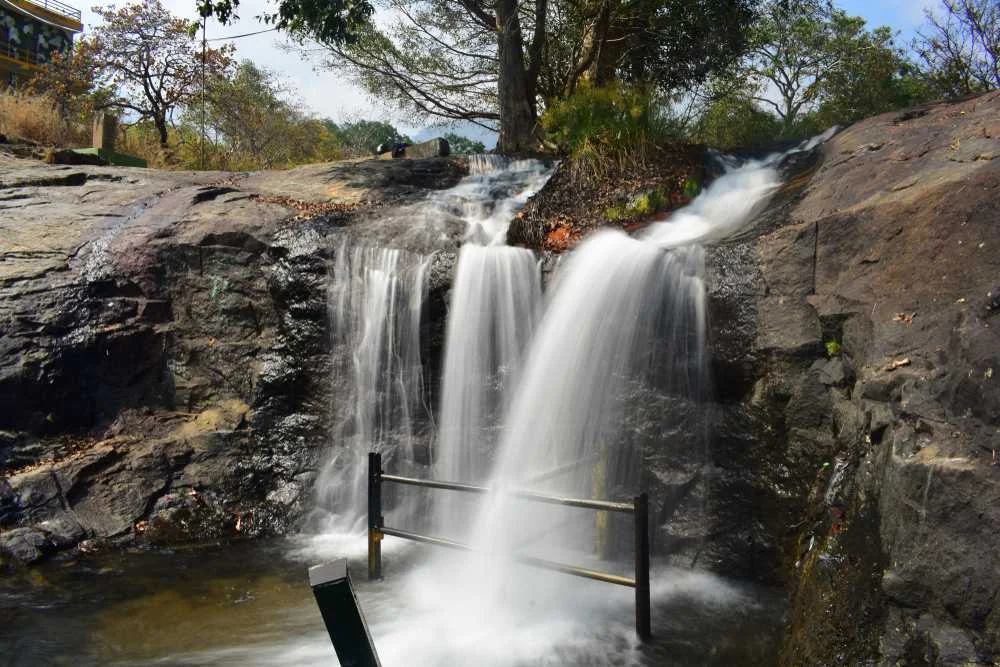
(345, 623)
(642, 611)
(375, 520)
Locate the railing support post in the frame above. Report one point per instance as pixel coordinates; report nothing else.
(642, 611)
(374, 515)
(345, 623)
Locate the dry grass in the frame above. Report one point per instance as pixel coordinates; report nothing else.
(37, 118)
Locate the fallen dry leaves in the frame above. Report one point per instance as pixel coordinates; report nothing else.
(306, 209)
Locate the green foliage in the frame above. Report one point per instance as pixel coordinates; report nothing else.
(328, 21)
(691, 188)
(674, 44)
(252, 123)
(610, 127)
(603, 116)
(734, 120)
(810, 66)
(833, 348)
(871, 74)
(492, 63)
(460, 145)
(817, 59)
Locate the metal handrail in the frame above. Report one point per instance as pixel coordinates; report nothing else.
(57, 7)
(639, 508)
(604, 505)
(12, 50)
(540, 563)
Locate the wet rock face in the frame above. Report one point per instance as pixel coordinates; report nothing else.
(164, 345)
(854, 344)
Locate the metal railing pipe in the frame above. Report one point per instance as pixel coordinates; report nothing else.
(639, 508)
(532, 561)
(642, 606)
(606, 505)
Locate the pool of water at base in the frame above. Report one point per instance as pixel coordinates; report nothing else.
(250, 604)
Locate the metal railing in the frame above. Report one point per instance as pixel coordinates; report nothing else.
(639, 508)
(57, 7)
(19, 53)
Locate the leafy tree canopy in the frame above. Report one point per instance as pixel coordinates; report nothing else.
(460, 145)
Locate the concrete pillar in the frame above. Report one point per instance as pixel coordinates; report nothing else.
(105, 131)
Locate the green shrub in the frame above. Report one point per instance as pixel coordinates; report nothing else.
(608, 127)
(833, 348)
(691, 188)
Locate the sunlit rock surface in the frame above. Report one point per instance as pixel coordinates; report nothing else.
(855, 344)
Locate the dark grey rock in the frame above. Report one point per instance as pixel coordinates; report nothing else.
(23, 545)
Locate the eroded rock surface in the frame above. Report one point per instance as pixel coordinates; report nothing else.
(164, 342)
(855, 345)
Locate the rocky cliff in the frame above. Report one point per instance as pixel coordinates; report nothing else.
(164, 342)
(855, 345)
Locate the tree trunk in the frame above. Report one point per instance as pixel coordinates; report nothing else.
(591, 66)
(161, 128)
(602, 68)
(519, 130)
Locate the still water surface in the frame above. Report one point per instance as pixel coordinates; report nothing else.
(250, 604)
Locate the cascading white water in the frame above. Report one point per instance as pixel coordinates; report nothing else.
(494, 305)
(565, 433)
(375, 300)
(493, 192)
(626, 322)
(495, 302)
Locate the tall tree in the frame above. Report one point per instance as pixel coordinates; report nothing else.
(807, 54)
(148, 57)
(495, 62)
(257, 125)
(960, 47)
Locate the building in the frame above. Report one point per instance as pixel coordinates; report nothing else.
(30, 32)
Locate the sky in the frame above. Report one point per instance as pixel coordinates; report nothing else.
(328, 94)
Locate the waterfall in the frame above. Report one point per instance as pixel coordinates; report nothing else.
(494, 305)
(569, 429)
(375, 300)
(574, 399)
(624, 327)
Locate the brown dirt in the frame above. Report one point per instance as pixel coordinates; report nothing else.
(573, 203)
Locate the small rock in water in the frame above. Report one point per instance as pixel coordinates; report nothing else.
(993, 301)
